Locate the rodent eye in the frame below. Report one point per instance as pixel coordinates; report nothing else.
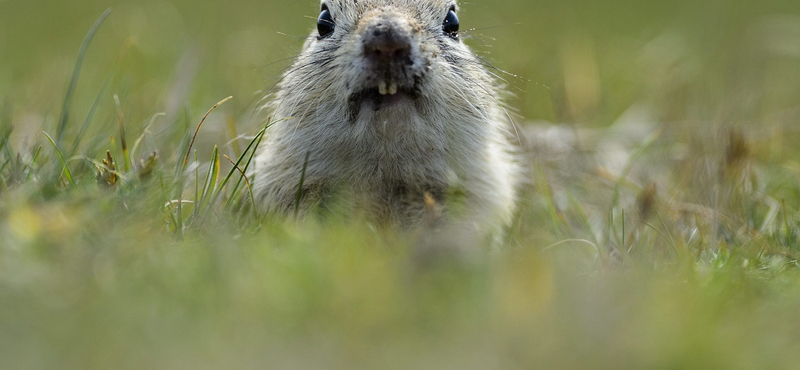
(450, 25)
(325, 23)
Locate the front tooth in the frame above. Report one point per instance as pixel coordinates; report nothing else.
(382, 89)
(392, 88)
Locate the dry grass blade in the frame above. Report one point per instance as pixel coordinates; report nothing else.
(126, 158)
(575, 241)
(191, 143)
(145, 132)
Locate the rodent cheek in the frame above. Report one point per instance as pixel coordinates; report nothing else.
(349, 63)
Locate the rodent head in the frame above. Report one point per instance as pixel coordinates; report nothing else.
(386, 102)
(379, 60)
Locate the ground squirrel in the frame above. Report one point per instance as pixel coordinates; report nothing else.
(387, 107)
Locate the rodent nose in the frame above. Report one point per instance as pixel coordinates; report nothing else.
(386, 43)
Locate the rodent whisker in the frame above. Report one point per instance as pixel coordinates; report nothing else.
(487, 64)
(291, 58)
(285, 73)
(303, 86)
(490, 69)
(489, 27)
(259, 104)
(298, 38)
(479, 38)
(499, 103)
(312, 104)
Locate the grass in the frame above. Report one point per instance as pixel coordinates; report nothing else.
(660, 228)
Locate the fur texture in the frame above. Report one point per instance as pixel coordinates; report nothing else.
(441, 143)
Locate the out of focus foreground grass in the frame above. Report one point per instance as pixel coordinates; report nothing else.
(659, 229)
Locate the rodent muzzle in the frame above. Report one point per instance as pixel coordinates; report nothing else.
(385, 46)
(388, 54)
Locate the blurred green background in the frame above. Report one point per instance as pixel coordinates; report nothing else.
(576, 61)
(659, 227)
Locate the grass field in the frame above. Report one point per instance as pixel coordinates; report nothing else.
(659, 228)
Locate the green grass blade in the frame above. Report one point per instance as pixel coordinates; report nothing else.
(242, 179)
(196, 180)
(249, 188)
(5, 129)
(62, 124)
(90, 116)
(584, 217)
(547, 191)
(210, 183)
(67, 172)
(624, 175)
(5, 164)
(173, 220)
(236, 168)
(36, 155)
(231, 126)
(632, 161)
(4, 138)
(299, 196)
(254, 144)
(5, 135)
(184, 145)
(179, 218)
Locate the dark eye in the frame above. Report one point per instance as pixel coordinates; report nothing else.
(325, 23)
(450, 25)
